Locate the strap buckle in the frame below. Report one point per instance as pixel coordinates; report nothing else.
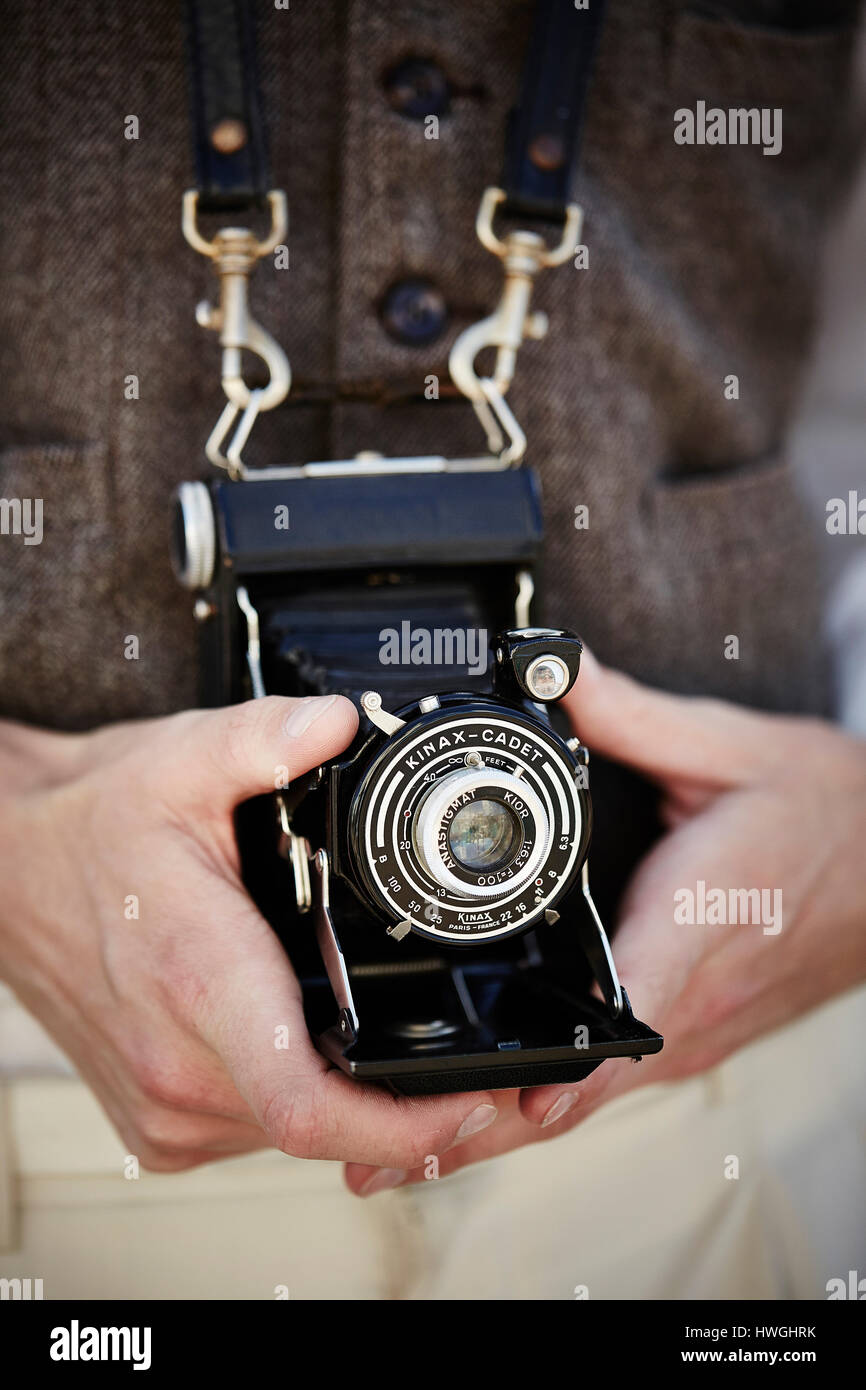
(235, 251)
(523, 255)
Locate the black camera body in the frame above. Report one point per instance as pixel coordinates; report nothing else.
(430, 885)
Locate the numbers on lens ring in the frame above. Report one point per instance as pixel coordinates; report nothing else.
(404, 844)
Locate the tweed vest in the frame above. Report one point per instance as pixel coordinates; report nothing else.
(702, 266)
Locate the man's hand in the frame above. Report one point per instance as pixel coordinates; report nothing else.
(173, 1015)
(751, 801)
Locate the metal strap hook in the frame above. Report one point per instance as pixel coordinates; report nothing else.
(523, 255)
(235, 251)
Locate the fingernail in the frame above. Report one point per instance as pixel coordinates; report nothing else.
(560, 1107)
(478, 1119)
(381, 1181)
(306, 712)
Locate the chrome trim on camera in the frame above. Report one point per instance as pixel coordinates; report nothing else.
(329, 944)
(254, 646)
(299, 855)
(199, 533)
(366, 466)
(597, 948)
(525, 595)
(371, 704)
(399, 929)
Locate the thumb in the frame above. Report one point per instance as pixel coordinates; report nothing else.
(673, 737)
(224, 756)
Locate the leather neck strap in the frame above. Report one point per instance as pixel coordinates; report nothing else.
(229, 143)
(541, 139)
(544, 128)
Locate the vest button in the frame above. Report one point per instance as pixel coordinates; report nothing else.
(413, 311)
(417, 87)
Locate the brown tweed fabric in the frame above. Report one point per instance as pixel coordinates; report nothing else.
(703, 262)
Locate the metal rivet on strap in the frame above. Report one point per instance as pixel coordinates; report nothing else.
(547, 152)
(228, 136)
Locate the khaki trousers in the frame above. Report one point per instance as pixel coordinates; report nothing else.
(746, 1182)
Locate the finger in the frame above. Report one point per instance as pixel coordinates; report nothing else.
(221, 757)
(171, 1132)
(253, 1018)
(544, 1106)
(510, 1132)
(517, 1128)
(676, 736)
(338, 1118)
(366, 1179)
(167, 1138)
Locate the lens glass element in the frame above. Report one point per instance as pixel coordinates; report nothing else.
(485, 835)
(547, 677)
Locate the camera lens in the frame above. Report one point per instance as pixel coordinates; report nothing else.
(478, 826)
(485, 835)
(469, 823)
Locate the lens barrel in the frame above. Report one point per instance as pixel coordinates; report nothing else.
(470, 822)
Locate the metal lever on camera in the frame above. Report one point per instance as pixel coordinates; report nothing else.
(523, 255)
(235, 251)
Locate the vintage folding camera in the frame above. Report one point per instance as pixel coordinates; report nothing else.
(430, 885)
